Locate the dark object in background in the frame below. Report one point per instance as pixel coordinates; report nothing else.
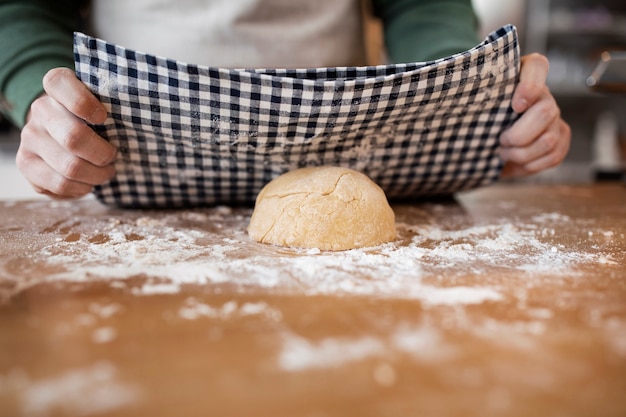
(5, 125)
(609, 76)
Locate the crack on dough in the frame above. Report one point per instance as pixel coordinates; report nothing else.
(279, 196)
(276, 219)
(337, 183)
(332, 210)
(276, 195)
(307, 194)
(354, 197)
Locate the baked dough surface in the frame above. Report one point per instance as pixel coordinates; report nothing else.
(330, 208)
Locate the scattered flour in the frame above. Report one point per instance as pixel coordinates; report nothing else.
(80, 392)
(105, 311)
(194, 309)
(212, 247)
(298, 353)
(420, 343)
(459, 295)
(178, 249)
(551, 218)
(162, 288)
(104, 335)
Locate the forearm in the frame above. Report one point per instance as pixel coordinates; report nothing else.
(35, 36)
(422, 30)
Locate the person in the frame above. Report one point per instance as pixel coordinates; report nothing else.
(61, 156)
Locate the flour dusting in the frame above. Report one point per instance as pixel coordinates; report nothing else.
(420, 343)
(92, 390)
(211, 247)
(194, 309)
(299, 354)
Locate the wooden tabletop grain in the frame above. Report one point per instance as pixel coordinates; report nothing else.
(509, 300)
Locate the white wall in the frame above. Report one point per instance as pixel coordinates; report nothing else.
(12, 184)
(496, 13)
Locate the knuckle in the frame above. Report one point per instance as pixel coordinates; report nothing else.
(60, 186)
(516, 155)
(73, 138)
(22, 159)
(39, 108)
(64, 187)
(28, 132)
(549, 110)
(509, 138)
(517, 139)
(554, 159)
(72, 167)
(549, 141)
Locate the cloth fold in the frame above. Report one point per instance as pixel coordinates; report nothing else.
(192, 135)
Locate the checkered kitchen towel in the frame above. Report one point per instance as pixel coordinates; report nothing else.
(191, 135)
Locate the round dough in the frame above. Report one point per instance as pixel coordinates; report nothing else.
(329, 208)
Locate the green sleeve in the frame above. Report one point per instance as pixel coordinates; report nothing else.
(35, 36)
(422, 30)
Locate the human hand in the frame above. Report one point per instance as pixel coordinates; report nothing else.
(59, 154)
(540, 138)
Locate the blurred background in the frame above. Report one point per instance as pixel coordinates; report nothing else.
(571, 33)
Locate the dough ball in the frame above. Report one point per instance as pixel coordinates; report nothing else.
(329, 208)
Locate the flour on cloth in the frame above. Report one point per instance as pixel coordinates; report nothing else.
(190, 135)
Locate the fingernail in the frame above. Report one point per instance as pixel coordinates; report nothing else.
(521, 104)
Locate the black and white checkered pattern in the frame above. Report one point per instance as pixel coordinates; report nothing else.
(191, 135)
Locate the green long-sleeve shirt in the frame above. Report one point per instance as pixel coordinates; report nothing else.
(36, 36)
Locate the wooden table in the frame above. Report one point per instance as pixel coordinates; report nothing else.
(509, 300)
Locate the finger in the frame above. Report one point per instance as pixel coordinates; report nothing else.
(515, 169)
(556, 156)
(72, 167)
(46, 181)
(73, 134)
(532, 123)
(546, 143)
(64, 87)
(512, 170)
(37, 145)
(533, 74)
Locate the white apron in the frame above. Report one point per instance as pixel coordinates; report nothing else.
(237, 33)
